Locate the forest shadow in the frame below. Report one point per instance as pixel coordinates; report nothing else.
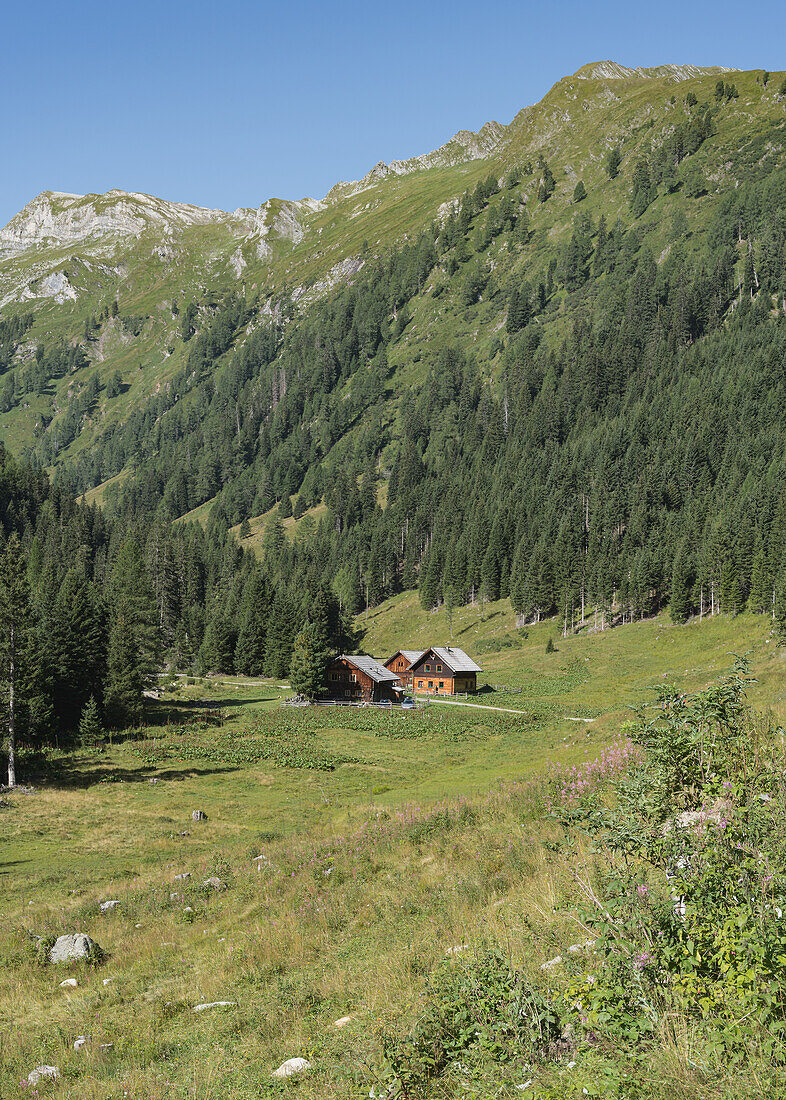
(74, 775)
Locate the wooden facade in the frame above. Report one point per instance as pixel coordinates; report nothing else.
(359, 679)
(445, 670)
(401, 664)
(441, 670)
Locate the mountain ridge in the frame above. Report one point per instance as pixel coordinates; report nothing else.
(120, 213)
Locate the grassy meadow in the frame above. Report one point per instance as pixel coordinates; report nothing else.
(386, 840)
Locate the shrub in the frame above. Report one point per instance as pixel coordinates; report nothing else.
(482, 1004)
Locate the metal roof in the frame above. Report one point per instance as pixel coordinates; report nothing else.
(371, 667)
(456, 659)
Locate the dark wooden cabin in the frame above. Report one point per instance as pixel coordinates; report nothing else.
(359, 679)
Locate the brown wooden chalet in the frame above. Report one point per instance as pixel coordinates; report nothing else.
(401, 663)
(444, 670)
(359, 679)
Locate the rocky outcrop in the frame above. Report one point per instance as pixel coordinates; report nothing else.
(462, 147)
(55, 218)
(612, 70)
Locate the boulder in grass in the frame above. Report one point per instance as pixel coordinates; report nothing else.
(199, 815)
(81, 1041)
(108, 906)
(291, 1067)
(70, 982)
(41, 1073)
(214, 883)
(183, 876)
(74, 947)
(342, 1021)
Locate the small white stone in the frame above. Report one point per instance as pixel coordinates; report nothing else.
(108, 980)
(105, 906)
(343, 1021)
(42, 1071)
(457, 950)
(70, 982)
(552, 963)
(292, 1066)
(82, 1041)
(214, 1004)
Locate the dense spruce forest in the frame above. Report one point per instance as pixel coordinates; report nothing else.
(91, 609)
(611, 445)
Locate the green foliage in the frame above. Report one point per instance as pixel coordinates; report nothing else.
(91, 732)
(689, 919)
(612, 162)
(479, 1006)
(310, 656)
(133, 637)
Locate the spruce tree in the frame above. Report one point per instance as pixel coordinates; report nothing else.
(309, 660)
(15, 626)
(133, 649)
(91, 732)
(680, 604)
(253, 616)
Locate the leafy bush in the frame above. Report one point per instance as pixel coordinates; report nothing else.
(482, 1004)
(689, 906)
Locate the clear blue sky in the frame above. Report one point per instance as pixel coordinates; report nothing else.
(228, 103)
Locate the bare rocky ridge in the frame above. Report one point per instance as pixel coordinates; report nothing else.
(42, 247)
(54, 218)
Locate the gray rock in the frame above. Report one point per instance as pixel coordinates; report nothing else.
(699, 820)
(183, 876)
(214, 883)
(199, 815)
(70, 982)
(81, 1042)
(292, 1066)
(214, 1004)
(106, 906)
(42, 1072)
(75, 946)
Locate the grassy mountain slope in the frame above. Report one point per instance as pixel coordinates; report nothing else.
(372, 871)
(149, 254)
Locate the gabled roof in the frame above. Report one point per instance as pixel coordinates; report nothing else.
(456, 659)
(411, 655)
(370, 666)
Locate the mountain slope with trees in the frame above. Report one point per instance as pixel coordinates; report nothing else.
(552, 372)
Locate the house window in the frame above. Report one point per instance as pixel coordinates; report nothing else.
(428, 668)
(439, 668)
(420, 683)
(441, 683)
(431, 683)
